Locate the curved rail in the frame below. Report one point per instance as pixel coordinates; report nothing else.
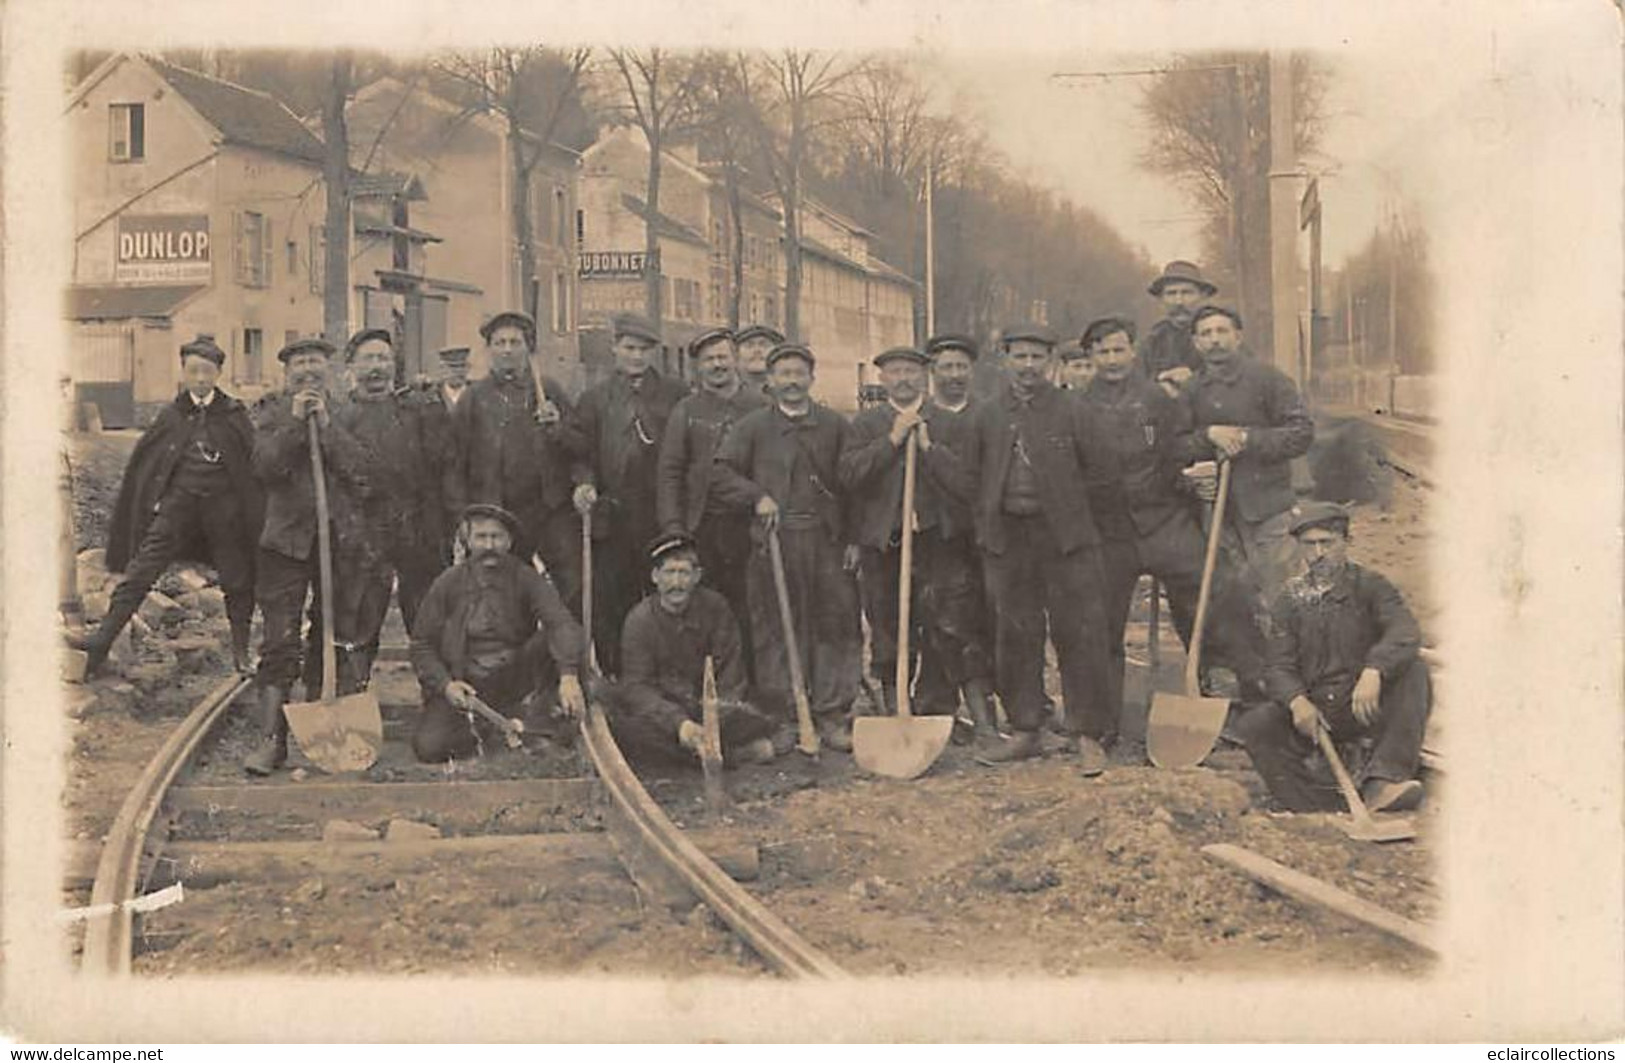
(118, 873)
(786, 951)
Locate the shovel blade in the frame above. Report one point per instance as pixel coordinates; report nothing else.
(344, 734)
(1378, 828)
(899, 747)
(1181, 729)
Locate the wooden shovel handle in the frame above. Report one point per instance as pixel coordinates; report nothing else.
(1193, 662)
(808, 738)
(511, 729)
(905, 577)
(324, 550)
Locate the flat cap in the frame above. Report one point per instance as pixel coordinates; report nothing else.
(203, 347)
(363, 336)
(1101, 327)
(634, 325)
(759, 332)
(1306, 515)
(669, 543)
(513, 319)
(907, 354)
(454, 355)
(492, 511)
(1180, 270)
(704, 339)
(314, 343)
(1211, 310)
(1029, 331)
(1072, 350)
(952, 341)
(791, 350)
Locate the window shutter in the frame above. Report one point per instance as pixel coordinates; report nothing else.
(267, 257)
(239, 257)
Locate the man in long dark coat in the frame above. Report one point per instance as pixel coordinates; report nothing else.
(188, 493)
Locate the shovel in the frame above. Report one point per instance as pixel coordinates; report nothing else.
(902, 746)
(1182, 728)
(1362, 825)
(337, 734)
(807, 735)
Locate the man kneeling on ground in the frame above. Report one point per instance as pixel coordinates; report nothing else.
(490, 628)
(1342, 655)
(654, 710)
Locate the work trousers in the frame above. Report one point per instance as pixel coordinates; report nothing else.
(1172, 554)
(1299, 780)
(645, 721)
(282, 586)
(184, 517)
(445, 732)
(407, 569)
(824, 608)
(555, 536)
(1268, 551)
(1032, 582)
(947, 626)
(725, 547)
(620, 574)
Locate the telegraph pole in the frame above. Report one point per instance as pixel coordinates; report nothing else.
(930, 255)
(1284, 174)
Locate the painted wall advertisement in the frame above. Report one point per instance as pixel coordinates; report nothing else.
(169, 248)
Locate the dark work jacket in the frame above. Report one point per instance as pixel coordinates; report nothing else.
(525, 599)
(510, 459)
(665, 654)
(952, 429)
(871, 471)
(1167, 346)
(1262, 399)
(1321, 642)
(1142, 428)
(409, 436)
(152, 465)
(282, 463)
(688, 453)
(623, 430)
(1060, 443)
(446, 428)
(766, 447)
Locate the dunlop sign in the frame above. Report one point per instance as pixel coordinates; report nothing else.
(162, 247)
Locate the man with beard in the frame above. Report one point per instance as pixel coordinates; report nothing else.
(781, 462)
(654, 709)
(1249, 413)
(491, 628)
(524, 452)
(287, 565)
(623, 421)
(684, 501)
(755, 343)
(872, 472)
(1032, 453)
(407, 491)
(1343, 655)
(957, 605)
(1167, 354)
(188, 492)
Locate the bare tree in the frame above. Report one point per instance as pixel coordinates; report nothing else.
(659, 98)
(724, 124)
(531, 90)
(336, 176)
(795, 96)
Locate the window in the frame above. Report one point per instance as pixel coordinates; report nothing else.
(719, 240)
(755, 307)
(561, 301)
(318, 258)
(293, 259)
(289, 336)
(770, 311)
(127, 139)
(251, 365)
(253, 244)
(714, 304)
(562, 217)
(581, 228)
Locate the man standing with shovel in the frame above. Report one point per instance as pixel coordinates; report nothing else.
(289, 563)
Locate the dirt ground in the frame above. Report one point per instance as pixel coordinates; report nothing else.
(1025, 869)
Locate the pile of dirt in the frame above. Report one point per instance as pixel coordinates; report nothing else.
(98, 465)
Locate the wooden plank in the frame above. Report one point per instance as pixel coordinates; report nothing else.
(1310, 890)
(316, 801)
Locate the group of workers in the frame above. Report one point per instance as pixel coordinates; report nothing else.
(714, 516)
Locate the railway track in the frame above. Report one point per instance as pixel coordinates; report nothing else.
(524, 825)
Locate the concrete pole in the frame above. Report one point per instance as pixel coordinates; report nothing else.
(1283, 220)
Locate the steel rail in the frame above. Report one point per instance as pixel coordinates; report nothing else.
(118, 872)
(784, 950)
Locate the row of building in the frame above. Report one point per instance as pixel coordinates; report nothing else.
(199, 206)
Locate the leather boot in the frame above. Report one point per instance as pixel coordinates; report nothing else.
(1023, 745)
(95, 649)
(981, 708)
(272, 751)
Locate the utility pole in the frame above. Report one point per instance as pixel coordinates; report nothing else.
(1284, 175)
(1393, 313)
(930, 255)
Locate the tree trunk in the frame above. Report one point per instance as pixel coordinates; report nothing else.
(519, 207)
(652, 272)
(792, 233)
(336, 175)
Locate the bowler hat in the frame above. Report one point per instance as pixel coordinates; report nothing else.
(203, 347)
(513, 319)
(634, 325)
(363, 336)
(492, 511)
(1180, 270)
(907, 354)
(313, 343)
(951, 341)
(791, 350)
(1308, 515)
(753, 332)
